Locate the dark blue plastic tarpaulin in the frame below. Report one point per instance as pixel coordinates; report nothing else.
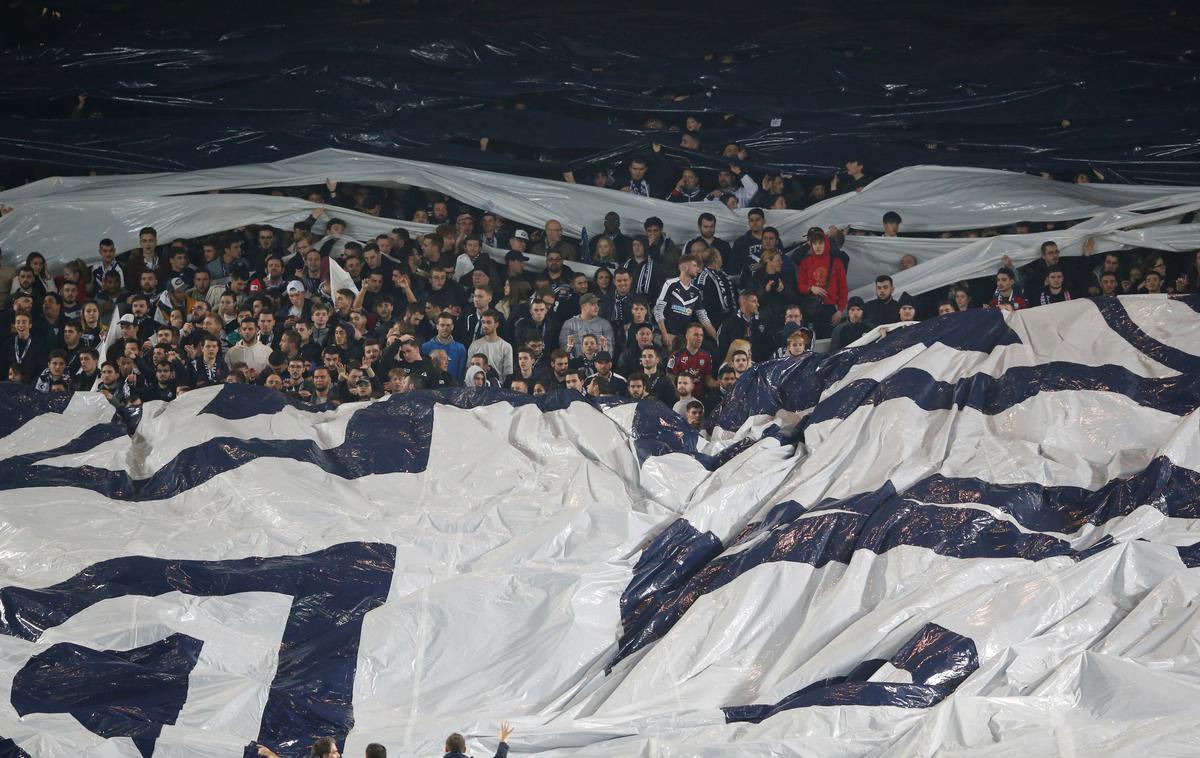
(174, 86)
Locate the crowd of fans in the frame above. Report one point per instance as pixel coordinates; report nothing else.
(678, 321)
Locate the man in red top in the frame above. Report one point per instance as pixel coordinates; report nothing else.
(1005, 296)
(821, 279)
(694, 360)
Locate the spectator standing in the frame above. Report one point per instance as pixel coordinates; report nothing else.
(444, 340)
(775, 290)
(24, 351)
(821, 280)
(883, 309)
(692, 359)
(747, 249)
(853, 327)
(657, 384)
(681, 302)
(658, 246)
(499, 352)
(588, 321)
(706, 223)
(720, 294)
(854, 180)
(144, 258)
(642, 268)
(745, 324)
(108, 262)
(552, 239)
(251, 351)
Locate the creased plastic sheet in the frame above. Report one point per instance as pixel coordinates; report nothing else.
(1022, 87)
(974, 535)
(64, 217)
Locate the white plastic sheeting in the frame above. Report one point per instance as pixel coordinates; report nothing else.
(987, 516)
(64, 218)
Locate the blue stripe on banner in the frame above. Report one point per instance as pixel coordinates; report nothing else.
(938, 659)
(672, 559)
(924, 516)
(235, 402)
(331, 590)
(1172, 489)
(1118, 319)
(390, 436)
(987, 394)
(9, 749)
(1190, 554)
(112, 693)
(21, 403)
(792, 384)
(27, 470)
(877, 521)
(1191, 301)
(385, 437)
(658, 430)
(796, 384)
(979, 330)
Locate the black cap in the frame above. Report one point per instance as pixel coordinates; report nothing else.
(855, 302)
(513, 255)
(603, 357)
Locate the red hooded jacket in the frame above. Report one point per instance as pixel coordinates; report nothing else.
(825, 271)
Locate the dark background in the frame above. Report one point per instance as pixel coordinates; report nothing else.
(176, 85)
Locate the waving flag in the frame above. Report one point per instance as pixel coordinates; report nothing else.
(976, 534)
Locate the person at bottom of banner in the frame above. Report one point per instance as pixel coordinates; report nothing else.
(456, 746)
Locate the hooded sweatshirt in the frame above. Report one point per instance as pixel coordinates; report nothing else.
(825, 271)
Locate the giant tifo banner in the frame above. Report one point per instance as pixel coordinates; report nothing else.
(975, 535)
(65, 217)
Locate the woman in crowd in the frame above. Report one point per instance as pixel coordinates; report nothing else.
(602, 283)
(775, 289)
(78, 272)
(605, 255)
(515, 303)
(42, 282)
(962, 299)
(93, 330)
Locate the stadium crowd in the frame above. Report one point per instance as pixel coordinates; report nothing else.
(674, 320)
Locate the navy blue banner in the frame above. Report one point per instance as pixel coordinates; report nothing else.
(804, 87)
